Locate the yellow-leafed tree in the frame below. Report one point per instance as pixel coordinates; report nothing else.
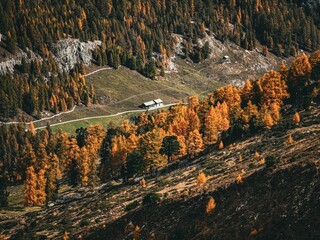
(211, 127)
(30, 188)
(211, 205)
(41, 187)
(194, 143)
(296, 118)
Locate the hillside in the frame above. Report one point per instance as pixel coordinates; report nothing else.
(159, 119)
(272, 202)
(45, 46)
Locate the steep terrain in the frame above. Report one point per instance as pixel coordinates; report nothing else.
(271, 204)
(67, 53)
(279, 202)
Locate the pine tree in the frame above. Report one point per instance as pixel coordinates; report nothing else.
(41, 155)
(193, 103)
(72, 155)
(267, 120)
(4, 194)
(170, 146)
(135, 164)
(183, 146)
(274, 89)
(299, 75)
(28, 157)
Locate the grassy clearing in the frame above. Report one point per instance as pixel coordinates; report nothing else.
(104, 120)
(125, 88)
(72, 127)
(122, 89)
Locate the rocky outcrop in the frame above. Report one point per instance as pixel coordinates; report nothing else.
(69, 52)
(7, 65)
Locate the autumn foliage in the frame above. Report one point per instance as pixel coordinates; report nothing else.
(211, 205)
(152, 140)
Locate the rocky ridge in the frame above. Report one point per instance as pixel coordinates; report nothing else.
(67, 53)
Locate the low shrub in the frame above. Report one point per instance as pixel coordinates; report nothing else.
(151, 198)
(271, 161)
(132, 206)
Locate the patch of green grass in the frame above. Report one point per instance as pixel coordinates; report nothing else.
(122, 90)
(126, 88)
(15, 198)
(72, 127)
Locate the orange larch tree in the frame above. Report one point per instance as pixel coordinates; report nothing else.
(193, 103)
(161, 120)
(30, 188)
(150, 145)
(211, 124)
(83, 167)
(41, 187)
(119, 152)
(132, 142)
(194, 143)
(194, 121)
(296, 118)
(274, 89)
(250, 111)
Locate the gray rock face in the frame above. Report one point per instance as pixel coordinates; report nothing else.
(69, 52)
(7, 66)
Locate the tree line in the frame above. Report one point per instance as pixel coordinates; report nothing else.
(147, 142)
(131, 30)
(40, 86)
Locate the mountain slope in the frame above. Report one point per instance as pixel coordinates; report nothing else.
(287, 194)
(270, 204)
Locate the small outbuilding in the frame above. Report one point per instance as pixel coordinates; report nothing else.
(158, 102)
(152, 104)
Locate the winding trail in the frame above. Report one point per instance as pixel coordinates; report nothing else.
(98, 70)
(40, 120)
(59, 114)
(146, 93)
(96, 117)
(106, 116)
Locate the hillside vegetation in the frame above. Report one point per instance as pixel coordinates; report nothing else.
(271, 201)
(264, 111)
(141, 35)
